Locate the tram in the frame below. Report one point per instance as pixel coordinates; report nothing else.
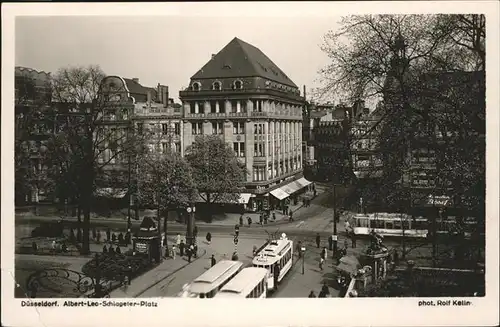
(211, 281)
(277, 253)
(250, 283)
(396, 224)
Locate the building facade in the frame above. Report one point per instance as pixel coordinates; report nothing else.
(241, 95)
(33, 127)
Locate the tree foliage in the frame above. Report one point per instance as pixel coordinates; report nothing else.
(217, 172)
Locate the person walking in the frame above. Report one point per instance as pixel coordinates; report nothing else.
(249, 220)
(265, 219)
(347, 227)
(195, 250)
(330, 243)
(108, 234)
(189, 254)
(104, 249)
(318, 240)
(274, 216)
(261, 219)
(353, 240)
(324, 253)
(54, 246)
(241, 220)
(237, 230)
(321, 261)
(312, 294)
(174, 251)
(209, 238)
(212, 261)
(181, 248)
(178, 240)
(291, 215)
(191, 250)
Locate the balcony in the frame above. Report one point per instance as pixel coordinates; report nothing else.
(254, 114)
(203, 94)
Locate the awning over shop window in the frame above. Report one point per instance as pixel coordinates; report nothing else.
(109, 192)
(279, 194)
(304, 182)
(292, 187)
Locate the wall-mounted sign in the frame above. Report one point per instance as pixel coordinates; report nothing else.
(141, 247)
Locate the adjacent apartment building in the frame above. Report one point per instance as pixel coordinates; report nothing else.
(241, 95)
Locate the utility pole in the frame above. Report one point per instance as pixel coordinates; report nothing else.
(334, 237)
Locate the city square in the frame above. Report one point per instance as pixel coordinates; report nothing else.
(371, 184)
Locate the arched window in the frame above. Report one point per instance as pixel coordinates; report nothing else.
(217, 86)
(238, 85)
(196, 86)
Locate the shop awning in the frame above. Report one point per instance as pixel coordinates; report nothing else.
(245, 197)
(279, 194)
(304, 182)
(291, 187)
(111, 192)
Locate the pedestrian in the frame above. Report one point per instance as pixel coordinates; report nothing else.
(182, 245)
(212, 261)
(111, 250)
(118, 250)
(104, 249)
(347, 227)
(195, 250)
(291, 215)
(312, 294)
(274, 216)
(178, 239)
(174, 251)
(261, 219)
(330, 243)
(98, 237)
(321, 261)
(127, 237)
(94, 234)
(54, 246)
(120, 238)
(113, 237)
(324, 253)
(318, 240)
(64, 247)
(209, 237)
(254, 251)
(265, 219)
(237, 230)
(108, 234)
(249, 220)
(191, 250)
(241, 220)
(188, 253)
(195, 231)
(353, 241)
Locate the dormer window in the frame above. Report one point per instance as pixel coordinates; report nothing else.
(196, 86)
(238, 85)
(217, 86)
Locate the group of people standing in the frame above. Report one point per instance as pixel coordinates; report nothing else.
(188, 250)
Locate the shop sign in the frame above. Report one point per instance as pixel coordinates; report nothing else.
(141, 247)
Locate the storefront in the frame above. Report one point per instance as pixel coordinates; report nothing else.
(289, 193)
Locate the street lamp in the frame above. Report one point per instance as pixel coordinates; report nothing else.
(303, 249)
(190, 224)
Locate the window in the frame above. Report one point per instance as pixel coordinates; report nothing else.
(239, 149)
(217, 86)
(238, 128)
(164, 147)
(196, 86)
(178, 147)
(197, 128)
(259, 174)
(140, 128)
(177, 128)
(217, 128)
(164, 129)
(238, 85)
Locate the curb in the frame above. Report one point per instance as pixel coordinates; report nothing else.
(170, 274)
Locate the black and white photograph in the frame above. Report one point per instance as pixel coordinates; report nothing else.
(225, 157)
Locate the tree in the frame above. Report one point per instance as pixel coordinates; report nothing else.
(86, 144)
(217, 172)
(165, 181)
(406, 60)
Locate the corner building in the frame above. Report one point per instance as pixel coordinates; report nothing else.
(241, 95)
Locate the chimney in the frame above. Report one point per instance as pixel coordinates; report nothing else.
(304, 91)
(165, 96)
(159, 93)
(135, 79)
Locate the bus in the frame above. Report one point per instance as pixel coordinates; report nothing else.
(212, 280)
(250, 283)
(276, 252)
(396, 224)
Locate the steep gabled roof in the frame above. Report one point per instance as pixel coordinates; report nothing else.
(137, 89)
(240, 59)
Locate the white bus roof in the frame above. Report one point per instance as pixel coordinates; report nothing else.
(272, 252)
(244, 282)
(214, 276)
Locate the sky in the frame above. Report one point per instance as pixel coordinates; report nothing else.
(169, 49)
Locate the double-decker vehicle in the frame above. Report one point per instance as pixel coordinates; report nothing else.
(212, 280)
(278, 253)
(249, 283)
